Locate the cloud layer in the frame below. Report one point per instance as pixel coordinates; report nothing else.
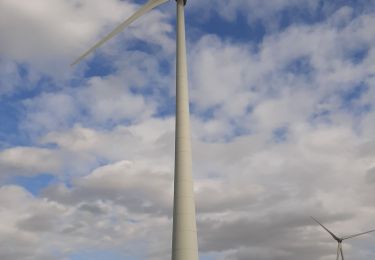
(283, 128)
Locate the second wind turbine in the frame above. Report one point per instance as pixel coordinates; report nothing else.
(339, 240)
(184, 241)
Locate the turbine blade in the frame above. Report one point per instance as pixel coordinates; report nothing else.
(141, 11)
(338, 251)
(342, 253)
(333, 235)
(356, 235)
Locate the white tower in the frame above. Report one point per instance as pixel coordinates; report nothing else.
(184, 243)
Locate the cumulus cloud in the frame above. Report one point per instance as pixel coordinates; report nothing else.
(232, 80)
(61, 30)
(245, 202)
(113, 201)
(28, 161)
(61, 26)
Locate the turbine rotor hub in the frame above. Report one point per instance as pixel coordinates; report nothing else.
(184, 1)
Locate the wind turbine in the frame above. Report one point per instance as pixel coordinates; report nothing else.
(340, 239)
(184, 241)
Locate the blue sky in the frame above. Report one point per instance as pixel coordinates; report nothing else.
(282, 110)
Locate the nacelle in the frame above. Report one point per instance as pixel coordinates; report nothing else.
(184, 1)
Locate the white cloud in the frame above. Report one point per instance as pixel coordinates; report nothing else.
(60, 25)
(230, 81)
(49, 35)
(113, 204)
(19, 243)
(108, 100)
(28, 161)
(151, 140)
(244, 189)
(49, 111)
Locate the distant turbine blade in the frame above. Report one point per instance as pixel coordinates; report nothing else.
(141, 11)
(333, 235)
(342, 253)
(356, 235)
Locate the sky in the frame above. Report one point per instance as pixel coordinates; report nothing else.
(282, 100)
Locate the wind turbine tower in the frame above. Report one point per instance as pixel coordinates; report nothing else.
(340, 239)
(184, 242)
